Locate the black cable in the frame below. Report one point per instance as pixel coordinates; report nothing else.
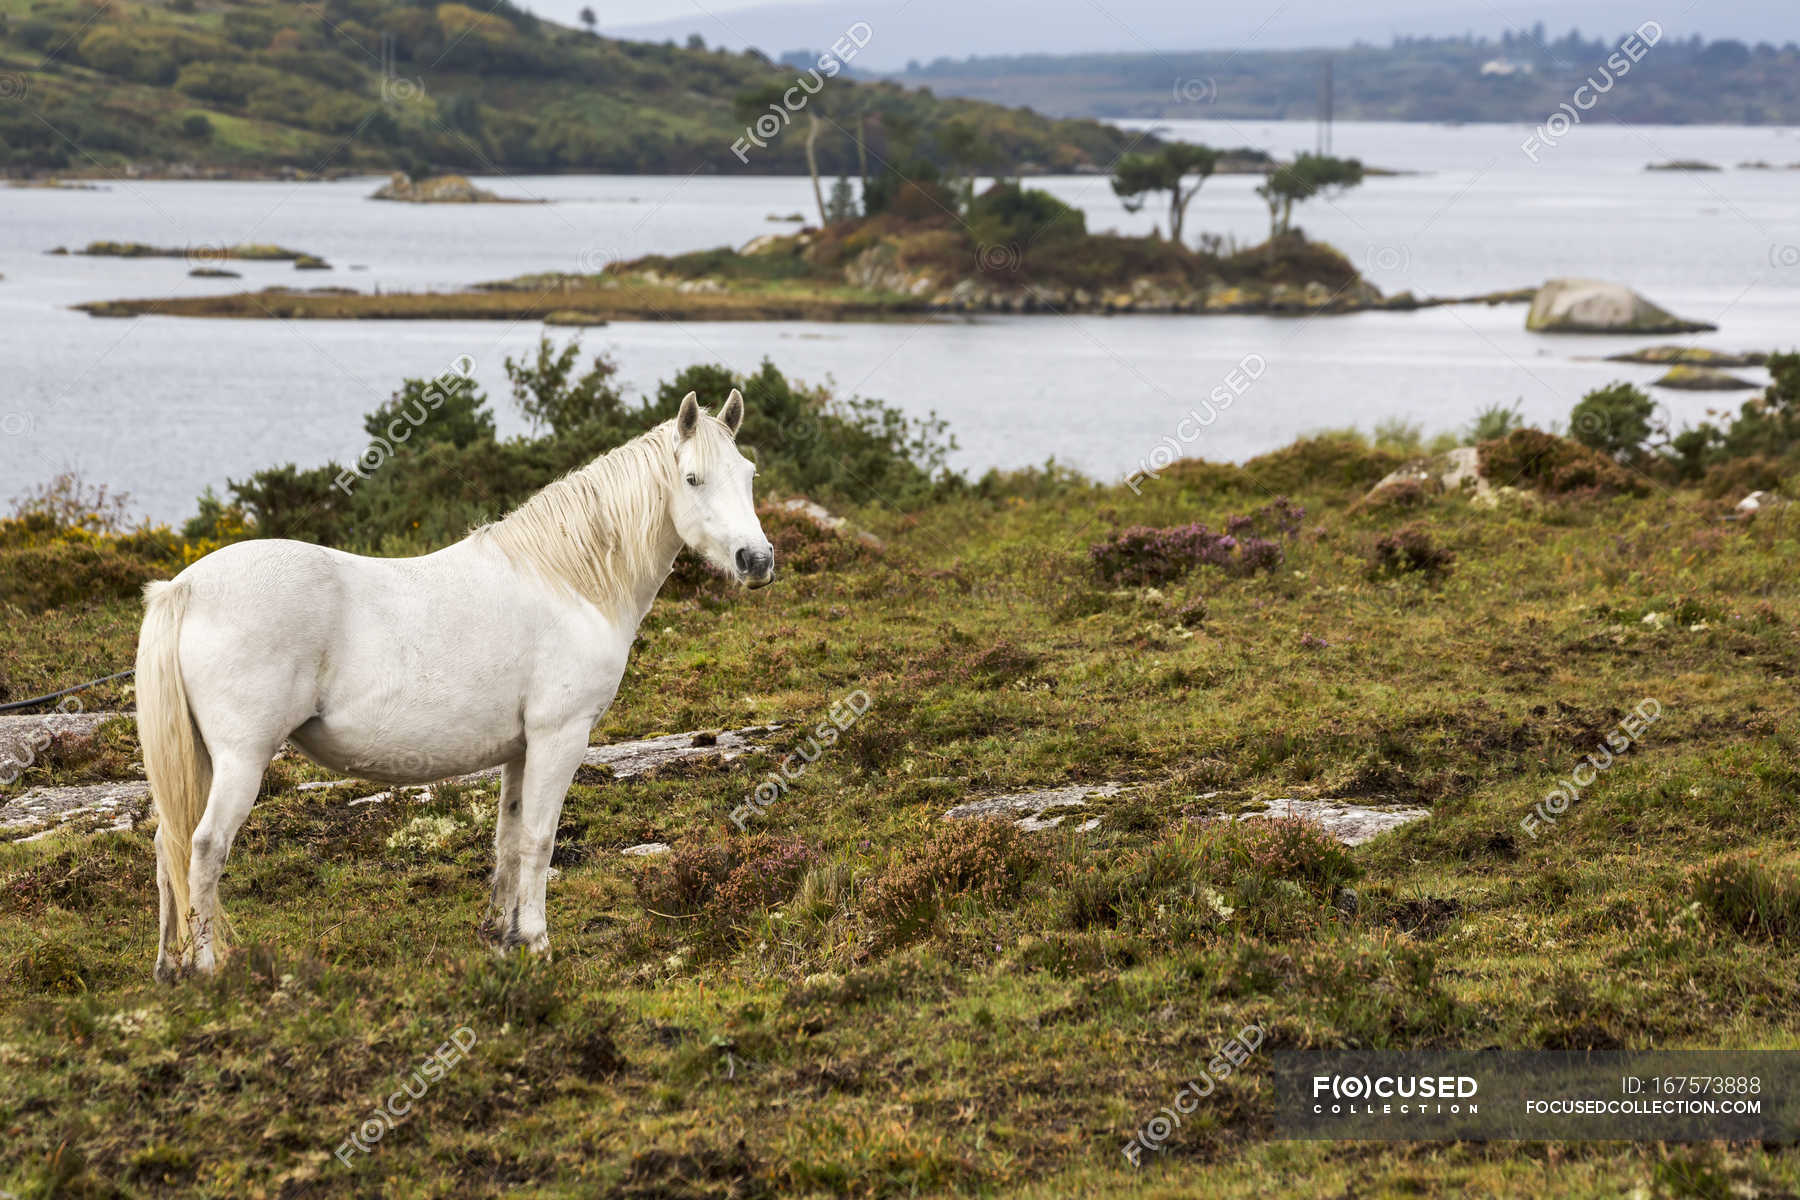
(57, 695)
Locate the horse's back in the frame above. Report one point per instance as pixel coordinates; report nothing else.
(266, 585)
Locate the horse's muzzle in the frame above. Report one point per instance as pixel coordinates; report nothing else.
(756, 567)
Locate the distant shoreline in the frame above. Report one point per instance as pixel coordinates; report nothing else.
(597, 305)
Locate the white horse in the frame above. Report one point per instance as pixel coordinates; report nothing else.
(503, 649)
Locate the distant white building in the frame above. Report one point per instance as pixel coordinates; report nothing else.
(1505, 66)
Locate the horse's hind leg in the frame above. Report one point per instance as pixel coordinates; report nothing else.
(234, 782)
(168, 947)
(504, 899)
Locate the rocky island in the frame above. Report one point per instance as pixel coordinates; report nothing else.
(440, 189)
(1017, 250)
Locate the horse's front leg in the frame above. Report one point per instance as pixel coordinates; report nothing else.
(498, 919)
(550, 762)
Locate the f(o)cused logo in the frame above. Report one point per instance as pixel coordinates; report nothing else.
(998, 259)
(1196, 91)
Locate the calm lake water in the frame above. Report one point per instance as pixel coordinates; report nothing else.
(163, 407)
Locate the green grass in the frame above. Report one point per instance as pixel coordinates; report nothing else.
(903, 1017)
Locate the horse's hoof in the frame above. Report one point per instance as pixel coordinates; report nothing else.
(167, 972)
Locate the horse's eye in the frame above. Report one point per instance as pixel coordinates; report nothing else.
(693, 480)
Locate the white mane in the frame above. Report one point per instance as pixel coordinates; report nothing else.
(603, 529)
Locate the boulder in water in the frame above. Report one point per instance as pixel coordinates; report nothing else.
(1596, 306)
(1684, 378)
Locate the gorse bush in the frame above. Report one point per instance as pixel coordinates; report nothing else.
(1614, 420)
(1141, 556)
(447, 409)
(68, 543)
(435, 467)
(1766, 425)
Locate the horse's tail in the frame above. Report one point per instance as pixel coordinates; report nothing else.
(175, 759)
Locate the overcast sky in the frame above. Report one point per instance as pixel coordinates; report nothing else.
(927, 29)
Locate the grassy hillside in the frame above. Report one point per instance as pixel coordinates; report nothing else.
(267, 84)
(859, 998)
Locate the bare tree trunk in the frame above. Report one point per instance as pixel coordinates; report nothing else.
(812, 166)
(862, 152)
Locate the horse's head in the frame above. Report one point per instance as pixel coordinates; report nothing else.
(713, 508)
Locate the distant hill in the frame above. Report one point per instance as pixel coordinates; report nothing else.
(1518, 78)
(929, 29)
(261, 85)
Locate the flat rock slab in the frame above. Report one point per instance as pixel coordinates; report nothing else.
(634, 758)
(42, 810)
(1351, 824)
(1029, 809)
(24, 735)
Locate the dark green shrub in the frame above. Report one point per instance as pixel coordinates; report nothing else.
(1025, 218)
(552, 399)
(450, 473)
(1767, 426)
(447, 409)
(1614, 420)
(287, 502)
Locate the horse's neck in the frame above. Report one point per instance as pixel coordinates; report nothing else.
(644, 590)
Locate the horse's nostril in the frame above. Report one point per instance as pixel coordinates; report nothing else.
(744, 560)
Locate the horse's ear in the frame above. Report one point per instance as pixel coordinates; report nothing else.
(733, 412)
(688, 419)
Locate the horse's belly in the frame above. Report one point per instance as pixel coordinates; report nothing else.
(415, 755)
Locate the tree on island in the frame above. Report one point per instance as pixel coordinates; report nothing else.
(589, 21)
(1307, 176)
(1166, 170)
(771, 98)
(842, 206)
(965, 150)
